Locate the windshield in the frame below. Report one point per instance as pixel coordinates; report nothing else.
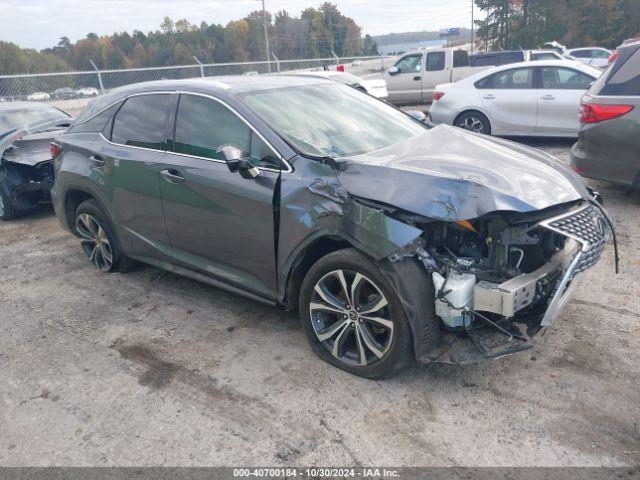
(24, 117)
(332, 120)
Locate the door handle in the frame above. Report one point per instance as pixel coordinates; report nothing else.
(97, 160)
(172, 176)
(417, 78)
(488, 97)
(548, 97)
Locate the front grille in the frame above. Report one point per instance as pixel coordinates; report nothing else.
(589, 227)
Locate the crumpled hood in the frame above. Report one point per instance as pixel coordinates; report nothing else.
(450, 174)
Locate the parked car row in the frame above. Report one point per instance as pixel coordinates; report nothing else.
(64, 93)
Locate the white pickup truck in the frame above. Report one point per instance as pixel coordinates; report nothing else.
(414, 76)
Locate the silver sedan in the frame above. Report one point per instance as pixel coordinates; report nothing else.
(539, 98)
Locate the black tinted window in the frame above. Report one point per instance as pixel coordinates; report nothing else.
(564, 79)
(97, 123)
(483, 61)
(510, 57)
(582, 54)
(435, 61)
(141, 122)
(204, 125)
(460, 58)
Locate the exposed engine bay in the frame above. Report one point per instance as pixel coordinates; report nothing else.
(504, 267)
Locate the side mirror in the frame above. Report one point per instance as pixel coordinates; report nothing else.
(393, 70)
(238, 161)
(417, 114)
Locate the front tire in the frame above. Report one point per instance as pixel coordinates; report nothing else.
(352, 317)
(97, 237)
(473, 121)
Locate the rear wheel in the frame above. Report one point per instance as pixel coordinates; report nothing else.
(353, 318)
(97, 237)
(474, 122)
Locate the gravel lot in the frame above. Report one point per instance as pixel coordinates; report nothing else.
(150, 368)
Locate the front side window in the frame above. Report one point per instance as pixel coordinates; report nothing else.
(518, 78)
(142, 121)
(203, 125)
(435, 61)
(331, 120)
(564, 79)
(599, 54)
(409, 64)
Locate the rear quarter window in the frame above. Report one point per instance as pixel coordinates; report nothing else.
(97, 122)
(622, 81)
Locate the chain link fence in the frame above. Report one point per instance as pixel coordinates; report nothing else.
(47, 87)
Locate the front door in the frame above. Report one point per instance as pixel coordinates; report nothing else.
(219, 224)
(511, 100)
(405, 84)
(128, 154)
(561, 89)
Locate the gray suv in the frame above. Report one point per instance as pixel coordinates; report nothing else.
(608, 146)
(392, 240)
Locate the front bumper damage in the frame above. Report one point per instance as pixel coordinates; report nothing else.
(505, 318)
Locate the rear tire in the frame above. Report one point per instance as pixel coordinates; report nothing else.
(98, 238)
(352, 317)
(7, 211)
(473, 121)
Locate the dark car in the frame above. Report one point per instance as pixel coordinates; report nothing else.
(502, 57)
(26, 166)
(608, 145)
(394, 241)
(64, 93)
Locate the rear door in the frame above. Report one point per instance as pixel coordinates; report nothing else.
(127, 155)
(436, 72)
(219, 224)
(559, 100)
(511, 99)
(405, 86)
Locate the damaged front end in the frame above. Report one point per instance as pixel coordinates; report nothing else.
(501, 278)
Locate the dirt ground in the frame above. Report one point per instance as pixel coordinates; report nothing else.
(149, 368)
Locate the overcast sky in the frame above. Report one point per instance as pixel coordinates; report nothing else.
(40, 23)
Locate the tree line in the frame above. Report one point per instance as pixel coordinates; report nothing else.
(530, 23)
(315, 34)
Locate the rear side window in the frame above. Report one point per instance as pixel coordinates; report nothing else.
(510, 57)
(483, 61)
(460, 58)
(581, 54)
(96, 123)
(435, 61)
(555, 78)
(517, 78)
(204, 125)
(622, 81)
(142, 121)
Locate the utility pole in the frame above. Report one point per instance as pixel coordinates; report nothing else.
(266, 33)
(472, 26)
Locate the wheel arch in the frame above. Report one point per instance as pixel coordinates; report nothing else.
(74, 195)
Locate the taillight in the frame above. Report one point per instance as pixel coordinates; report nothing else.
(437, 95)
(613, 57)
(55, 150)
(591, 113)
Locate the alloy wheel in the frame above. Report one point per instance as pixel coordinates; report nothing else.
(94, 241)
(351, 317)
(473, 124)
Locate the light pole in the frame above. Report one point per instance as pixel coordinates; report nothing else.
(266, 33)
